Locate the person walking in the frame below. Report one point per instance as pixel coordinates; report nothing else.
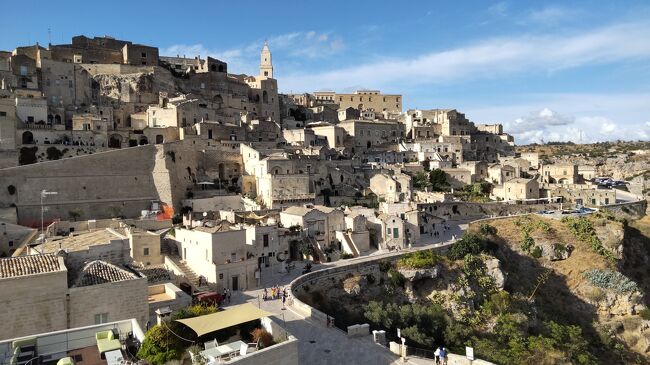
(443, 356)
(284, 298)
(436, 356)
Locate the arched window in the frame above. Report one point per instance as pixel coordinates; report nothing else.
(159, 139)
(28, 138)
(213, 68)
(57, 119)
(265, 97)
(143, 140)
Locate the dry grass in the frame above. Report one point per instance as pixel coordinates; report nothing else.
(582, 258)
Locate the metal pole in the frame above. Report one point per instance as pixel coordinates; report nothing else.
(42, 193)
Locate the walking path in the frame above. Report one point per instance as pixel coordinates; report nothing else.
(317, 343)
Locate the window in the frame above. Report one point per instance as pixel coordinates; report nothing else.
(101, 318)
(3, 114)
(23, 70)
(395, 232)
(265, 240)
(233, 257)
(220, 276)
(146, 251)
(144, 55)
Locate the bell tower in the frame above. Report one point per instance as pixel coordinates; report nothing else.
(266, 64)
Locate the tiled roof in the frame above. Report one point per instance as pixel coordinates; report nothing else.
(101, 272)
(29, 265)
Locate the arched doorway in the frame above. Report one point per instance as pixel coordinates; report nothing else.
(265, 97)
(50, 119)
(115, 141)
(28, 138)
(368, 144)
(133, 143)
(159, 139)
(143, 140)
(57, 119)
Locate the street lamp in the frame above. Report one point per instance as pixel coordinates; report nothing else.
(44, 193)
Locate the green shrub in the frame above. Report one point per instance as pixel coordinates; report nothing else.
(469, 244)
(419, 260)
(527, 243)
(396, 279)
(345, 255)
(645, 314)
(613, 280)
(384, 266)
(537, 252)
(583, 229)
(487, 229)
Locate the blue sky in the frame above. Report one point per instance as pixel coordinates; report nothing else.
(546, 70)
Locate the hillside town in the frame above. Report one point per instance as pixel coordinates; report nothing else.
(135, 185)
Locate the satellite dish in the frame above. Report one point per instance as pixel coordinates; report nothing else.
(205, 214)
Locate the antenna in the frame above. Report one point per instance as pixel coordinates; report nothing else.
(49, 35)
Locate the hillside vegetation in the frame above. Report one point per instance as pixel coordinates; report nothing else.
(521, 290)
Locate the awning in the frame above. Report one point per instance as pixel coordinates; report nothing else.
(228, 317)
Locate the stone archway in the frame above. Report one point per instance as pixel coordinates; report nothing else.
(144, 141)
(115, 141)
(159, 139)
(28, 137)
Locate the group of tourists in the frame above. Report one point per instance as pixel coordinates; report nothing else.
(441, 356)
(276, 293)
(226, 295)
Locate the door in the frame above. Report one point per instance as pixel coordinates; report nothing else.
(235, 283)
(184, 253)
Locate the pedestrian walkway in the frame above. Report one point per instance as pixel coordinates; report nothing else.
(319, 344)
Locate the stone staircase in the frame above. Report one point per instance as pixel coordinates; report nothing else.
(190, 275)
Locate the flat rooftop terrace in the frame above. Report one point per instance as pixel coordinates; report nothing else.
(80, 241)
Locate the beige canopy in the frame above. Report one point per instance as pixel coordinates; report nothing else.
(228, 317)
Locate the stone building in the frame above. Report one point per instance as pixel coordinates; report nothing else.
(46, 296)
(391, 188)
(318, 222)
(517, 189)
(559, 173)
(231, 256)
(361, 99)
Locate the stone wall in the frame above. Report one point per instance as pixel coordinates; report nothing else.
(283, 353)
(630, 210)
(466, 211)
(33, 304)
(121, 300)
(93, 185)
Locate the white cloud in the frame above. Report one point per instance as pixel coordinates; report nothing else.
(550, 15)
(488, 59)
(499, 9)
(571, 117)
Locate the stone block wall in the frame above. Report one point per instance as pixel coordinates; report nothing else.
(121, 300)
(33, 304)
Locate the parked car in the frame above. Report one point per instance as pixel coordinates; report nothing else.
(546, 212)
(585, 210)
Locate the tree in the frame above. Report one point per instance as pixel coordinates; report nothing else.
(438, 180)
(469, 244)
(421, 181)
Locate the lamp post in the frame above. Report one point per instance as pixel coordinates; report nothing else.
(44, 193)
